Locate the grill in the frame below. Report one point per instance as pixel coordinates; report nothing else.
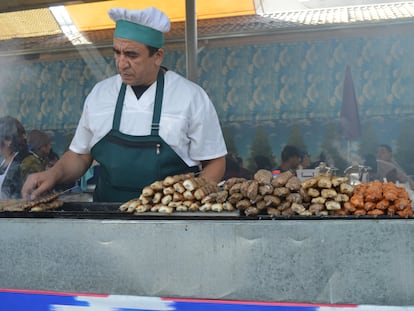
(105, 210)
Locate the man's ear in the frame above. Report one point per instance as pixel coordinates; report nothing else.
(159, 56)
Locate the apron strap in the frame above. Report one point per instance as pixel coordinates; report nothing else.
(159, 93)
(118, 108)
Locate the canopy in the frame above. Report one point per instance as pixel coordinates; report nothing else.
(93, 16)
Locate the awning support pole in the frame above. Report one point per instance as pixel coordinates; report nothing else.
(191, 39)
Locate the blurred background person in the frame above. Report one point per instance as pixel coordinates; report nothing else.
(53, 157)
(379, 169)
(235, 168)
(38, 159)
(40, 144)
(262, 162)
(305, 161)
(387, 165)
(384, 153)
(290, 159)
(13, 150)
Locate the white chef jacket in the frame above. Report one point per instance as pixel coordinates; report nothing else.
(189, 122)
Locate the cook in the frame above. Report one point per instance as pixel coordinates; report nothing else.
(141, 125)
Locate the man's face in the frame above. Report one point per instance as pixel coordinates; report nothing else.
(306, 161)
(383, 154)
(45, 150)
(294, 162)
(134, 63)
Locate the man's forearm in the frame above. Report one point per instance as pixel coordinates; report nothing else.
(214, 169)
(71, 166)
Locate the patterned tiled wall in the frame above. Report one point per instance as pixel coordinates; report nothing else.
(284, 88)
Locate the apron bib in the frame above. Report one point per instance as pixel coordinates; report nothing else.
(129, 163)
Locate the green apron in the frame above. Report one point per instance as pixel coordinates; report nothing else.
(129, 163)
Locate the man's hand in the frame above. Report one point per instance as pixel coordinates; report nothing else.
(36, 184)
(68, 169)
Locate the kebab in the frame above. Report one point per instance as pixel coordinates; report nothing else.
(42, 203)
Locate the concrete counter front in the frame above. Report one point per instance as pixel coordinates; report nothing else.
(363, 261)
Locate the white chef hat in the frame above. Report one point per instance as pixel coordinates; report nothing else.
(145, 26)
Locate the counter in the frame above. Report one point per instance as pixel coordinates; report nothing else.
(358, 261)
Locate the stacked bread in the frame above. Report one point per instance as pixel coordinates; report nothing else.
(179, 193)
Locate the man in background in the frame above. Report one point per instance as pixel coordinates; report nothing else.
(41, 156)
(290, 159)
(388, 168)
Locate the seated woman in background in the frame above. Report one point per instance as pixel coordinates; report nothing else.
(13, 149)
